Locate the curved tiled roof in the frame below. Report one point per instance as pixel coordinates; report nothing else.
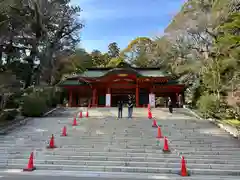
(123, 68)
(143, 73)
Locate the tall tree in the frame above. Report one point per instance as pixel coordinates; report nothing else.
(113, 50)
(138, 52)
(99, 59)
(35, 31)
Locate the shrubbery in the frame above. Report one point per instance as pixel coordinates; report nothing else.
(209, 105)
(40, 100)
(31, 102)
(34, 105)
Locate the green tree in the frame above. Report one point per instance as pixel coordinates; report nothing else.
(113, 50)
(99, 59)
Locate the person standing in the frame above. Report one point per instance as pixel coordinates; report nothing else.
(130, 108)
(120, 108)
(170, 106)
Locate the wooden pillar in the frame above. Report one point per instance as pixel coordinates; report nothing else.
(137, 95)
(94, 97)
(108, 90)
(177, 100)
(70, 98)
(79, 99)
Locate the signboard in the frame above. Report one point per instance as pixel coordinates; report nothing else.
(152, 100)
(108, 100)
(122, 75)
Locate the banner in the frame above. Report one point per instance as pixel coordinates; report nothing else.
(152, 100)
(108, 100)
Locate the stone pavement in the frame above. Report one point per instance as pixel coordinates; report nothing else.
(126, 148)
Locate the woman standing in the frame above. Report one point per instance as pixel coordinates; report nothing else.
(130, 108)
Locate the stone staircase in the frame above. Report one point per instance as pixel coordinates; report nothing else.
(102, 143)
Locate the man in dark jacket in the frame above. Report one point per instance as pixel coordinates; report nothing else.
(120, 108)
(170, 106)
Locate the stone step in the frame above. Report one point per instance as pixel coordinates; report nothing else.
(132, 154)
(159, 170)
(196, 149)
(123, 144)
(123, 155)
(169, 159)
(123, 164)
(204, 145)
(112, 140)
(122, 175)
(135, 146)
(99, 136)
(187, 143)
(137, 150)
(147, 143)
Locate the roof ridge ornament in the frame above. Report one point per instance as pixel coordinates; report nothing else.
(123, 64)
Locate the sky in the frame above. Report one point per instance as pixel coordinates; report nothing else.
(121, 21)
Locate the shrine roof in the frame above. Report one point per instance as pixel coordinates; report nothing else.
(122, 68)
(68, 82)
(95, 73)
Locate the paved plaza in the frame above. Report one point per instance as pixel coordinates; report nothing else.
(101, 147)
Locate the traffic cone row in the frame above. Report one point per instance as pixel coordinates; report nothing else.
(166, 149)
(30, 165)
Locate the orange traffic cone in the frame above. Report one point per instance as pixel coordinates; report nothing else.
(154, 124)
(87, 113)
(51, 143)
(80, 114)
(159, 133)
(74, 122)
(183, 171)
(30, 166)
(165, 147)
(64, 131)
(149, 115)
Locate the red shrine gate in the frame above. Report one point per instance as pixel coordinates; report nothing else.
(119, 83)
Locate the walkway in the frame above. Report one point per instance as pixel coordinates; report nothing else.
(103, 146)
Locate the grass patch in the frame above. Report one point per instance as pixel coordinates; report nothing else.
(233, 122)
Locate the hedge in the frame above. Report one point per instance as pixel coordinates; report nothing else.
(40, 101)
(34, 106)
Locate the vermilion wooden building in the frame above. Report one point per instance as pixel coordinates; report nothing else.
(101, 87)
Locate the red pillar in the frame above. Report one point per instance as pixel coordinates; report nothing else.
(137, 95)
(177, 99)
(94, 97)
(108, 90)
(70, 98)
